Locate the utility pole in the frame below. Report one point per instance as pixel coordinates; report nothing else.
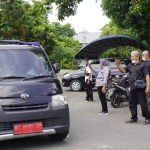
(84, 32)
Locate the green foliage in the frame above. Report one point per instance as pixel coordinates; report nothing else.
(24, 21)
(74, 67)
(130, 14)
(122, 51)
(65, 30)
(112, 29)
(64, 52)
(65, 8)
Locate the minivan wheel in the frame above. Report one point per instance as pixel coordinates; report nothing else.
(58, 137)
(75, 85)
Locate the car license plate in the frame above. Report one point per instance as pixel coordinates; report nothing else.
(28, 128)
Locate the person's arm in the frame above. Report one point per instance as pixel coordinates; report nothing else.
(89, 78)
(94, 70)
(106, 73)
(146, 72)
(147, 84)
(119, 67)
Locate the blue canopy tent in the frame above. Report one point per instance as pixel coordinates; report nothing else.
(95, 48)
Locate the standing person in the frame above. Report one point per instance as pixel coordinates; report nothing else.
(137, 71)
(146, 59)
(101, 83)
(88, 82)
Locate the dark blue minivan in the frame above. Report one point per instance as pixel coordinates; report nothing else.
(31, 97)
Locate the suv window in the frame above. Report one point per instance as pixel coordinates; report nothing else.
(25, 63)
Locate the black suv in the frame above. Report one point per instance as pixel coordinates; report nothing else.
(31, 96)
(76, 79)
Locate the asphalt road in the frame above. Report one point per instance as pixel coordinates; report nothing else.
(91, 131)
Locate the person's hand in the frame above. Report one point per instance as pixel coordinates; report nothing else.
(88, 82)
(103, 90)
(147, 90)
(117, 62)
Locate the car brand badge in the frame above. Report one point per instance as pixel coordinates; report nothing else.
(24, 96)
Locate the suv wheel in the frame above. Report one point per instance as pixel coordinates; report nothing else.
(58, 137)
(75, 85)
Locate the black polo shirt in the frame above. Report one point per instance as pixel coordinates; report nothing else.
(148, 65)
(138, 71)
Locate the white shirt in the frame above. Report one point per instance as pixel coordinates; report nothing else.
(89, 71)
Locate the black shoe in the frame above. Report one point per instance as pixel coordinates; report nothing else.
(131, 121)
(146, 122)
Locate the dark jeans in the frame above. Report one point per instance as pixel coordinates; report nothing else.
(102, 99)
(135, 97)
(89, 92)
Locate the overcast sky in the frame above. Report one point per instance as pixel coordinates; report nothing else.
(89, 16)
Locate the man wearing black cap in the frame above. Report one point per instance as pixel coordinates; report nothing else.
(88, 80)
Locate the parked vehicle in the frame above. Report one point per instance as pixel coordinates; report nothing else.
(31, 97)
(109, 90)
(121, 92)
(76, 78)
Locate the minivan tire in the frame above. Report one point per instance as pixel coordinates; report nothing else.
(58, 137)
(76, 85)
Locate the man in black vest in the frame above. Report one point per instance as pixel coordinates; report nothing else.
(137, 71)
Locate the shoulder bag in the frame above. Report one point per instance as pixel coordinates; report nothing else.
(138, 84)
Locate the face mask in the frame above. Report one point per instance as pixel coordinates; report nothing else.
(133, 61)
(143, 59)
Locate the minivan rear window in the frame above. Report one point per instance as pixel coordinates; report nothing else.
(24, 63)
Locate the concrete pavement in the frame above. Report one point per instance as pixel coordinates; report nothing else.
(91, 131)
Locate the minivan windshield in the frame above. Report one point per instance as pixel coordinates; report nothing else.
(24, 63)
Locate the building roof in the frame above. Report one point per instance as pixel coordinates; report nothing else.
(95, 48)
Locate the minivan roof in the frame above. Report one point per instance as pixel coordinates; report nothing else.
(20, 47)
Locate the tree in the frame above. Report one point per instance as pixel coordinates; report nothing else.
(122, 51)
(112, 29)
(130, 14)
(65, 30)
(64, 52)
(29, 22)
(65, 8)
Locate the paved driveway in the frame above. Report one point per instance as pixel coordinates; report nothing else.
(91, 131)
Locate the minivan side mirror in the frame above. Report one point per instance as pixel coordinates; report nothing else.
(56, 67)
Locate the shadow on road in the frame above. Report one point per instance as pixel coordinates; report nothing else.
(31, 143)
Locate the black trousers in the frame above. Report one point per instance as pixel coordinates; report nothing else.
(89, 92)
(138, 96)
(102, 99)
